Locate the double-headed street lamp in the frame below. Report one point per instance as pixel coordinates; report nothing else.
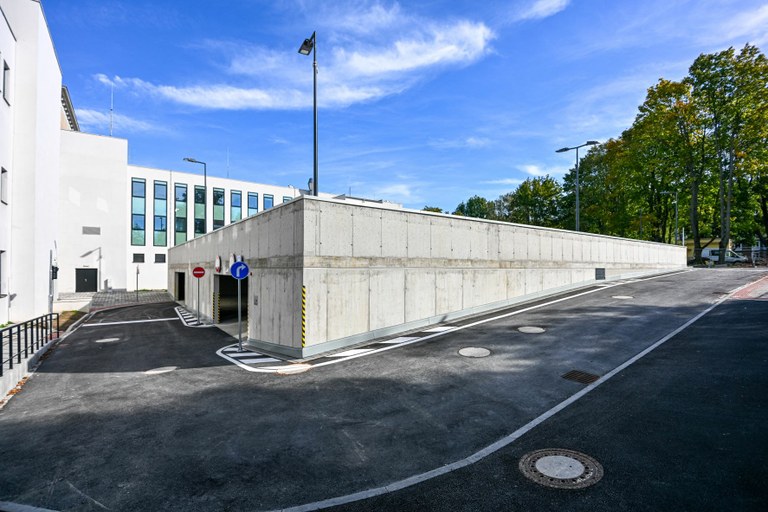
(563, 150)
(307, 47)
(205, 187)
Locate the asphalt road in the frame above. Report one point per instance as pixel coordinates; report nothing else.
(679, 429)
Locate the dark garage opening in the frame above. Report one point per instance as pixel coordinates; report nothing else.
(86, 279)
(228, 298)
(180, 285)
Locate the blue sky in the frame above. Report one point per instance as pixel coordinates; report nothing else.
(421, 103)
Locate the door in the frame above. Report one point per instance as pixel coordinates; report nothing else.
(181, 281)
(86, 279)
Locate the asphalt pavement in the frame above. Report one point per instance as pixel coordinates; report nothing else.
(145, 415)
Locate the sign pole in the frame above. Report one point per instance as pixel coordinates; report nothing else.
(239, 319)
(198, 302)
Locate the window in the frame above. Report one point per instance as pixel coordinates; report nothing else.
(253, 203)
(180, 210)
(236, 202)
(218, 208)
(4, 186)
(287, 198)
(269, 201)
(160, 232)
(91, 230)
(199, 210)
(138, 257)
(138, 207)
(159, 258)
(6, 83)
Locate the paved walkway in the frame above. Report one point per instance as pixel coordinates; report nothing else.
(114, 298)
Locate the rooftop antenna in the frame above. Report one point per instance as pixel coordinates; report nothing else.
(111, 107)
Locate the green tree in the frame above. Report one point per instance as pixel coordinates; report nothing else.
(536, 202)
(434, 209)
(478, 207)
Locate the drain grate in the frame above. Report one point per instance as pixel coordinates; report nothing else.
(561, 469)
(580, 376)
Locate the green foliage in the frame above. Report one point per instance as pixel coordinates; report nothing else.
(702, 140)
(434, 209)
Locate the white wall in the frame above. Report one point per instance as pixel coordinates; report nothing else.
(7, 55)
(93, 194)
(36, 91)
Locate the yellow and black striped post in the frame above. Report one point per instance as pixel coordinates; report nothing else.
(303, 316)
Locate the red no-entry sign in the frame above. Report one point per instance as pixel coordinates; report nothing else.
(198, 272)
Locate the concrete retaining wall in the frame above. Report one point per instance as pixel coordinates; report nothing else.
(371, 271)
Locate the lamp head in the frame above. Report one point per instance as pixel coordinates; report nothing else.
(187, 159)
(592, 143)
(307, 45)
(562, 150)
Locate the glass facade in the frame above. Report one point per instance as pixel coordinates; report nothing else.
(138, 211)
(287, 198)
(253, 203)
(218, 208)
(160, 233)
(199, 210)
(236, 206)
(269, 201)
(180, 208)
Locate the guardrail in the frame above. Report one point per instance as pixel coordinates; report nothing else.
(21, 341)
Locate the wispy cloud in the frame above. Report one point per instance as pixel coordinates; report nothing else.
(541, 9)
(466, 142)
(355, 68)
(504, 181)
(539, 171)
(100, 121)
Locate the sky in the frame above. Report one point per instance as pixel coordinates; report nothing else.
(419, 102)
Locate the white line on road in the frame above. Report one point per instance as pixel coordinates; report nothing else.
(132, 322)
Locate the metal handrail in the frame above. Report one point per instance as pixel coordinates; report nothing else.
(28, 337)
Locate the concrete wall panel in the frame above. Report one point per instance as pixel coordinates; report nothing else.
(420, 294)
(387, 298)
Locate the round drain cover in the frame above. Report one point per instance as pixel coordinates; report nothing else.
(474, 352)
(162, 369)
(529, 329)
(623, 297)
(561, 469)
(107, 340)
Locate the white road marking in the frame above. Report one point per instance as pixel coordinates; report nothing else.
(442, 328)
(395, 341)
(353, 352)
(132, 322)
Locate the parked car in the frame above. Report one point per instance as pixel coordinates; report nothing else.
(713, 254)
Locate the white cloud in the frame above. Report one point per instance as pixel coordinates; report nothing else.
(354, 68)
(467, 142)
(538, 171)
(95, 120)
(752, 25)
(504, 181)
(542, 9)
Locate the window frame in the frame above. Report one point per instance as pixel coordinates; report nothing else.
(233, 206)
(138, 236)
(157, 216)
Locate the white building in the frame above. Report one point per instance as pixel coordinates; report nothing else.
(72, 198)
(30, 126)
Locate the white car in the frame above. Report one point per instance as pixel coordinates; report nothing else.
(714, 255)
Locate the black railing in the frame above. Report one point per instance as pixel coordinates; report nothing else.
(19, 342)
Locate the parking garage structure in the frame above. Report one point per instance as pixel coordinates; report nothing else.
(328, 274)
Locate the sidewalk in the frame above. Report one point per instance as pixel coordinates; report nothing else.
(107, 299)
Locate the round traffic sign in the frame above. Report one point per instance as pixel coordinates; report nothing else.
(239, 270)
(198, 272)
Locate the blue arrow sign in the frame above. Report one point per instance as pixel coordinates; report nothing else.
(239, 270)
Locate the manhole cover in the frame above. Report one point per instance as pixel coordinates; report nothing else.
(107, 340)
(162, 369)
(623, 297)
(474, 352)
(529, 329)
(561, 469)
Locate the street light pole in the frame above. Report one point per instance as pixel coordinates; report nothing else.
(309, 45)
(563, 150)
(205, 188)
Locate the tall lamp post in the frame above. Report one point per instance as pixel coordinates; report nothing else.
(205, 187)
(563, 150)
(307, 47)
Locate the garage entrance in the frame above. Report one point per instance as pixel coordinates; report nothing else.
(225, 307)
(180, 284)
(86, 279)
